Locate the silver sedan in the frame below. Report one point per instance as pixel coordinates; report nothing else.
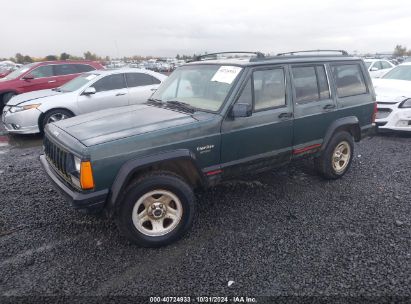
(30, 112)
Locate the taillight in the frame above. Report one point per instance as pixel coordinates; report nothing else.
(374, 114)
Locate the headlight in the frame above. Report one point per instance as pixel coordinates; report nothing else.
(77, 164)
(23, 108)
(406, 103)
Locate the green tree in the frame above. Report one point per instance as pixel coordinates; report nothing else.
(90, 56)
(64, 56)
(19, 58)
(51, 57)
(27, 59)
(400, 50)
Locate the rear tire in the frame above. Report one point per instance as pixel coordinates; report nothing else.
(156, 210)
(337, 157)
(55, 115)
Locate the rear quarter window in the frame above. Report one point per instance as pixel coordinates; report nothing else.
(349, 79)
(82, 68)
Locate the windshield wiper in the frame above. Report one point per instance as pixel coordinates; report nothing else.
(56, 89)
(180, 106)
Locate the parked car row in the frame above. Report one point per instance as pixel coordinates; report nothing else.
(92, 91)
(42, 75)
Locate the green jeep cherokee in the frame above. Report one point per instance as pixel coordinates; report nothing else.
(211, 120)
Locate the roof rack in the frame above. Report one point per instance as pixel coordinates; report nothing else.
(214, 55)
(343, 53)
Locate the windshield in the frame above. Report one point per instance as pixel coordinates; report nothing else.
(400, 73)
(17, 73)
(77, 82)
(203, 87)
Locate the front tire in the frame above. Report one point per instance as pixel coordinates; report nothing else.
(55, 115)
(156, 210)
(337, 157)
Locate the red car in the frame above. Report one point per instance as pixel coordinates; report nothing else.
(42, 75)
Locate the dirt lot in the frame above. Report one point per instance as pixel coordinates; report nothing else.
(286, 232)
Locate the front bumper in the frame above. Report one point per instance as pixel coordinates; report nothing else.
(395, 118)
(24, 122)
(90, 202)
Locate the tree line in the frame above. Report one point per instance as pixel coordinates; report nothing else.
(24, 59)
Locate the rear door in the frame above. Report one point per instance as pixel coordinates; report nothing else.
(314, 106)
(111, 91)
(43, 78)
(263, 139)
(140, 86)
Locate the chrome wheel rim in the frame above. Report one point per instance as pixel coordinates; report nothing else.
(157, 213)
(57, 117)
(341, 156)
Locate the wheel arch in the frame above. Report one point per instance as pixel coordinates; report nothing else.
(350, 124)
(181, 162)
(41, 117)
(2, 93)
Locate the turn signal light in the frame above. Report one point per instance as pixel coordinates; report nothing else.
(86, 176)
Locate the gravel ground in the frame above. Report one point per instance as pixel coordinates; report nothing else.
(286, 232)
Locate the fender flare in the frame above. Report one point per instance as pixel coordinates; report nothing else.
(349, 121)
(130, 167)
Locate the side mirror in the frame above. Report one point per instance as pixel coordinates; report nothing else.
(89, 91)
(28, 77)
(373, 69)
(241, 110)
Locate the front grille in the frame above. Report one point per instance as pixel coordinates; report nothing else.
(57, 157)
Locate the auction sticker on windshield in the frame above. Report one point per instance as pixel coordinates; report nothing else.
(226, 74)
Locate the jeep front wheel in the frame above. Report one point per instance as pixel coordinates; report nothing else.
(157, 210)
(337, 156)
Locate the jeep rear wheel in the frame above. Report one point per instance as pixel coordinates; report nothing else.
(336, 159)
(156, 210)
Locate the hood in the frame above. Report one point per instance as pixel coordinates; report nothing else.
(31, 96)
(391, 89)
(116, 123)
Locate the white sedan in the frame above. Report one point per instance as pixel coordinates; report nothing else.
(101, 89)
(378, 67)
(394, 99)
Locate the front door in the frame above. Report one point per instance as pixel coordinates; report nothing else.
(111, 91)
(263, 139)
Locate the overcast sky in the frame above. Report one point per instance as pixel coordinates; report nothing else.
(166, 28)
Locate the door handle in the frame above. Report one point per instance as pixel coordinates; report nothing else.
(329, 106)
(285, 115)
(120, 94)
(51, 81)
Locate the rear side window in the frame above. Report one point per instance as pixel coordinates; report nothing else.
(64, 69)
(349, 80)
(82, 68)
(111, 82)
(42, 71)
(140, 79)
(310, 83)
(269, 89)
